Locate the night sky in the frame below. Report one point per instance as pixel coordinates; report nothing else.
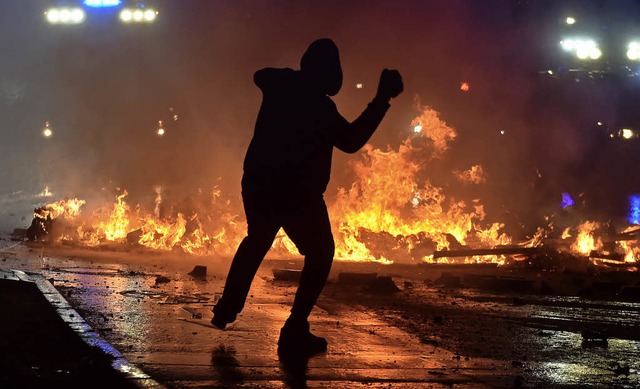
(103, 86)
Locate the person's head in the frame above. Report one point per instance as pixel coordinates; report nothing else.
(320, 64)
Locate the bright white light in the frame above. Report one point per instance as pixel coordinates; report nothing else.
(47, 130)
(149, 15)
(53, 16)
(126, 15)
(138, 15)
(627, 133)
(502, 132)
(582, 48)
(160, 131)
(595, 53)
(633, 53)
(77, 15)
(568, 45)
(599, 123)
(417, 129)
(65, 15)
(570, 20)
(359, 85)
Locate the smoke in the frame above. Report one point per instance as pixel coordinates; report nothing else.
(105, 87)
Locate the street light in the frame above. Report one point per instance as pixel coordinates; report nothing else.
(160, 130)
(47, 132)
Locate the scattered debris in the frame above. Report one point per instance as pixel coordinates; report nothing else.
(184, 299)
(449, 280)
(502, 250)
(348, 278)
(289, 275)
(162, 280)
(139, 294)
(133, 238)
(382, 285)
(195, 314)
(429, 341)
(199, 272)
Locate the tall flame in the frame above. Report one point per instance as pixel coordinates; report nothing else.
(389, 210)
(392, 211)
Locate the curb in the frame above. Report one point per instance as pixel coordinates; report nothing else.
(76, 323)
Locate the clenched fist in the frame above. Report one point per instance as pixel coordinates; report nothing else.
(390, 84)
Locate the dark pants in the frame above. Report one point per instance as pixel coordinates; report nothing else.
(305, 220)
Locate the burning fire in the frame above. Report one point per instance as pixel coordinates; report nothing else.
(391, 212)
(585, 243)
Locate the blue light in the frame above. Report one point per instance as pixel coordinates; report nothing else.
(102, 3)
(567, 201)
(634, 209)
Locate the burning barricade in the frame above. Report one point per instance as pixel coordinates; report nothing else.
(391, 212)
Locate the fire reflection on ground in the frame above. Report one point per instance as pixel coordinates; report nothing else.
(535, 337)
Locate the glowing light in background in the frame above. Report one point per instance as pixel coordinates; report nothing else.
(47, 132)
(634, 209)
(570, 20)
(417, 129)
(567, 201)
(627, 133)
(101, 3)
(160, 131)
(136, 15)
(633, 53)
(359, 85)
(464, 87)
(65, 15)
(582, 48)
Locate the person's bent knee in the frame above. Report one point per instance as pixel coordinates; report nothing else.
(326, 251)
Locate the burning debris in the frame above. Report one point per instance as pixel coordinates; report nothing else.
(391, 213)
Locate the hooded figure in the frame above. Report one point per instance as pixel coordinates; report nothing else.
(286, 171)
(320, 64)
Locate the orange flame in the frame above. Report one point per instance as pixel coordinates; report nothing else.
(390, 212)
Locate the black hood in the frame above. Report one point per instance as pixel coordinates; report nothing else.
(320, 64)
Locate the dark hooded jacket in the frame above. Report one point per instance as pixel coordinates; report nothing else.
(298, 125)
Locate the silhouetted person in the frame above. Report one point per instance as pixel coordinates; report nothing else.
(286, 171)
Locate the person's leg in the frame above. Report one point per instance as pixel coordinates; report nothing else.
(309, 228)
(261, 230)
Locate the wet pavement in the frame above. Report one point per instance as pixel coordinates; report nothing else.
(157, 317)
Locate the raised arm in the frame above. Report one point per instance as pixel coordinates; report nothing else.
(350, 137)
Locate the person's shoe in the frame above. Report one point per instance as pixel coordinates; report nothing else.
(296, 339)
(222, 318)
